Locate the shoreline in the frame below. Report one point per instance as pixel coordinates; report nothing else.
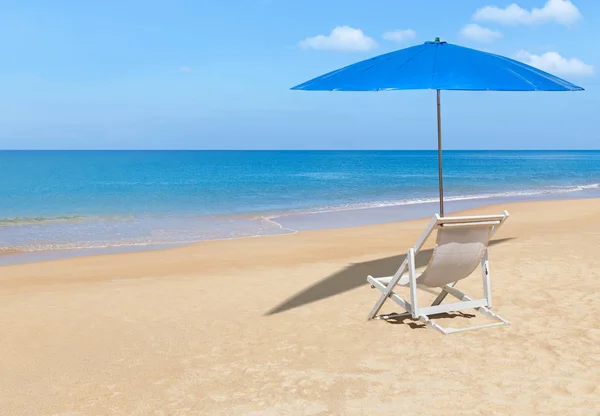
(194, 245)
(294, 222)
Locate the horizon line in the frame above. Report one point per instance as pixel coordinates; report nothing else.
(297, 150)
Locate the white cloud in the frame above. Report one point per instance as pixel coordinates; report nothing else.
(400, 35)
(342, 38)
(185, 69)
(478, 33)
(563, 12)
(554, 63)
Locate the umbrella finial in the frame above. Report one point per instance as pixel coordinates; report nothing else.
(437, 40)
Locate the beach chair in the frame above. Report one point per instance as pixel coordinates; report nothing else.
(461, 245)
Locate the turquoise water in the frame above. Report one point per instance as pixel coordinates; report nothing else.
(59, 200)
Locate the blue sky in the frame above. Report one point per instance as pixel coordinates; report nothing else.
(216, 74)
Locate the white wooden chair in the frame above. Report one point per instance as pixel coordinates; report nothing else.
(461, 245)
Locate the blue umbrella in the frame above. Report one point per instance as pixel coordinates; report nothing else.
(438, 66)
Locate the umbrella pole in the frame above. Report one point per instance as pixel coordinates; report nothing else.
(441, 181)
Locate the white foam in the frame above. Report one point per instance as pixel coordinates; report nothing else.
(413, 201)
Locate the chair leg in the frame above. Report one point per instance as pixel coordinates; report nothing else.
(413, 284)
(384, 289)
(487, 282)
(440, 298)
(489, 314)
(388, 290)
(377, 306)
(430, 324)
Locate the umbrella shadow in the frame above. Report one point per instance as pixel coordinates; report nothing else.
(352, 277)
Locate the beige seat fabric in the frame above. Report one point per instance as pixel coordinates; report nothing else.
(458, 252)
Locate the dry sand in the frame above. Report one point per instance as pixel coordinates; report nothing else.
(276, 326)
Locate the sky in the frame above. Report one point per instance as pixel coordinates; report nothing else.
(202, 74)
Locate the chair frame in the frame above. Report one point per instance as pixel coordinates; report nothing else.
(387, 284)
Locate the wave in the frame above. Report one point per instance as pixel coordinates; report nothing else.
(92, 245)
(83, 245)
(135, 236)
(39, 220)
(9, 250)
(6, 222)
(322, 175)
(414, 201)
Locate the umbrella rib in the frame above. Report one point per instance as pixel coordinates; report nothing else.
(522, 77)
(411, 58)
(539, 72)
(401, 66)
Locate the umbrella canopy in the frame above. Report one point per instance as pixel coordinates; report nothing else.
(438, 66)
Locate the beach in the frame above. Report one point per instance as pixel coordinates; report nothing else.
(276, 325)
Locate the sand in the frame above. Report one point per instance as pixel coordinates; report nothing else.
(276, 326)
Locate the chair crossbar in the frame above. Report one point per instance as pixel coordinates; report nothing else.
(468, 224)
(474, 218)
(406, 305)
(452, 307)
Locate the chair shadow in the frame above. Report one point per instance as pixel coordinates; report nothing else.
(352, 277)
(414, 324)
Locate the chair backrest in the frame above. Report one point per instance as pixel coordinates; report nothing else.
(460, 245)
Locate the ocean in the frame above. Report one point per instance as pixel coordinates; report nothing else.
(64, 203)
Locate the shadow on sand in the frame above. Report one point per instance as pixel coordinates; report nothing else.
(402, 320)
(351, 277)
